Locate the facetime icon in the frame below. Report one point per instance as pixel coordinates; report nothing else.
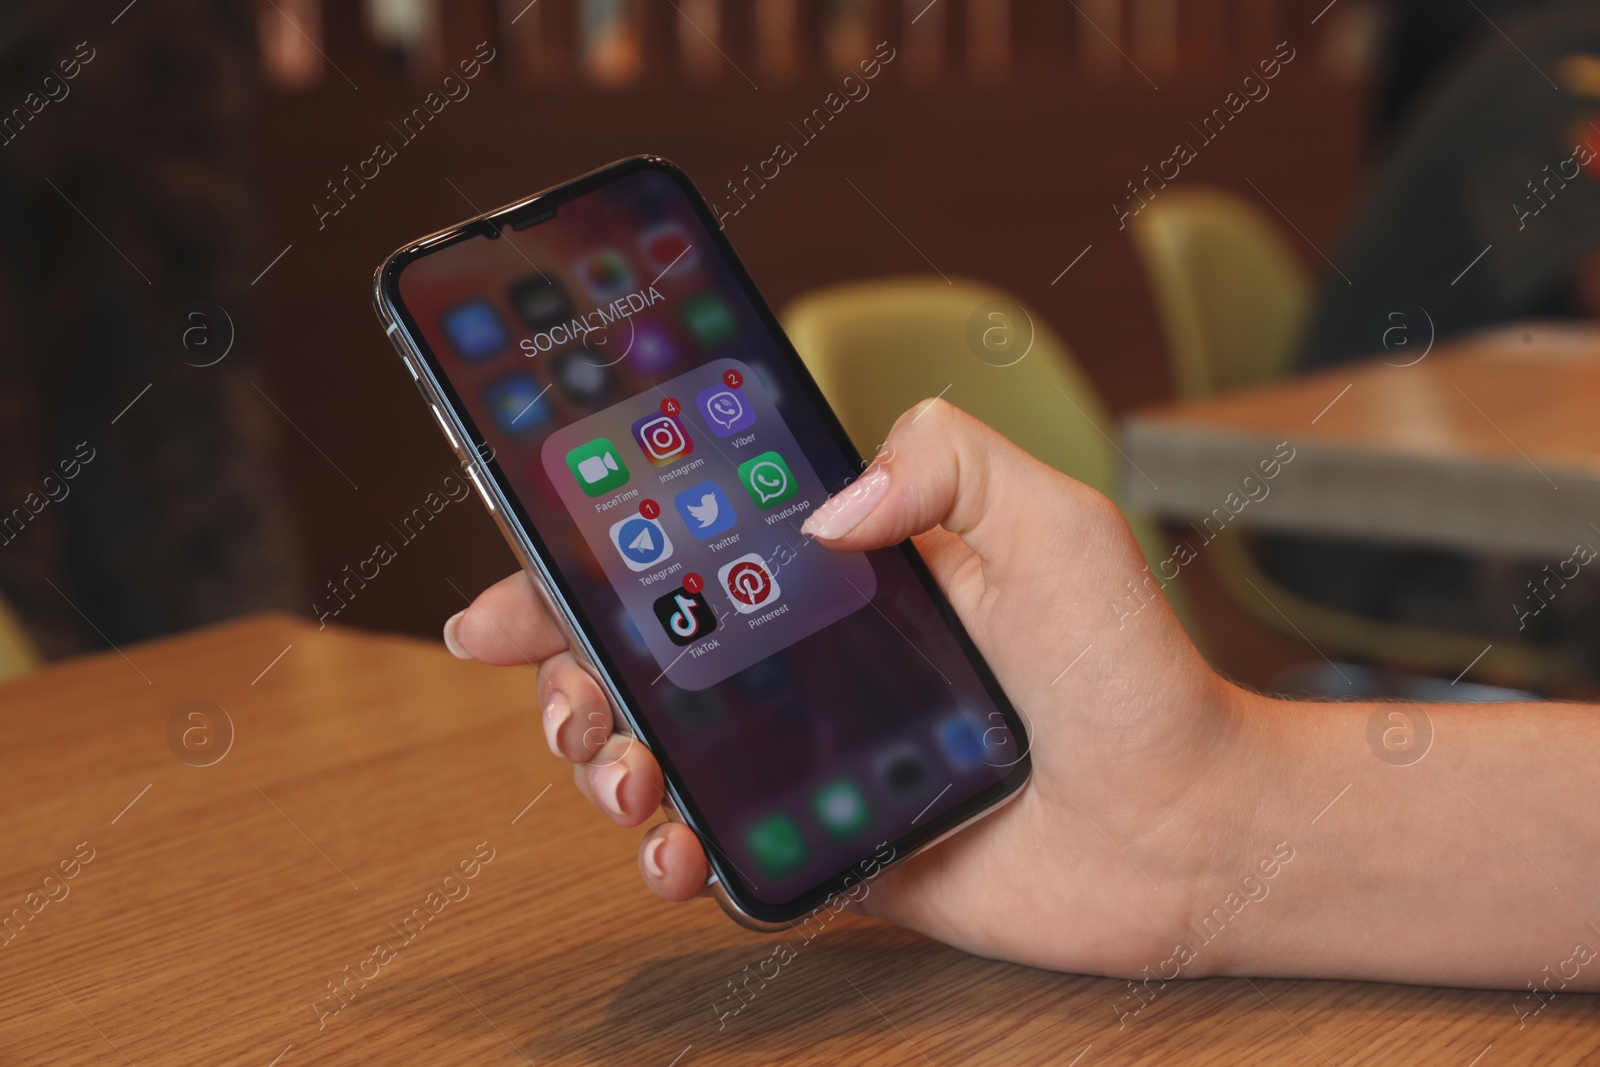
(596, 467)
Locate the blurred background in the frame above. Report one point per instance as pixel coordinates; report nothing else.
(191, 219)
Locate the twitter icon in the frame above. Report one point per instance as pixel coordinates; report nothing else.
(705, 510)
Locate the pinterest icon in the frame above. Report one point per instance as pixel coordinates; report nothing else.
(749, 583)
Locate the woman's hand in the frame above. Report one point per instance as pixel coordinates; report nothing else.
(1096, 866)
(1166, 804)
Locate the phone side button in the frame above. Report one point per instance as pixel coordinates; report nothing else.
(445, 426)
(414, 375)
(482, 493)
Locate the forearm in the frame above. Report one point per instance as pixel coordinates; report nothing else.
(1473, 862)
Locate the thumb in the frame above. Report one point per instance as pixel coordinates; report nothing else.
(940, 467)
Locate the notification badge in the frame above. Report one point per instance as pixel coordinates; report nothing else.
(662, 439)
(725, 410)
(748, 583)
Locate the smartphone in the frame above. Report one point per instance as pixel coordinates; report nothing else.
(649, 442)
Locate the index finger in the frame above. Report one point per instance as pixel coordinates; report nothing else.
(508, 624)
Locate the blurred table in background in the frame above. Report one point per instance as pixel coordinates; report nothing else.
(224, 903)
(1490, 443)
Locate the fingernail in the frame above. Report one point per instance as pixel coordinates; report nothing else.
(451, 640)
(651, 857)
(607, 782)
(556, 714)
(844, 510)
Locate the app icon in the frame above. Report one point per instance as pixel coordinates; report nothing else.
(597, 467)
(749, 583)
(584, 377)
(777, 845)
(904, 773)
(705, 510)
(517, 402)
(666, 247)
(685, 616)
(841, 809)
(961, 736)
(540, 302)
(652, 349)
(641, 542)
(662, 439)
(475, 330)
(725, 410)
(709, 318)
(767, 479)
(607, 275)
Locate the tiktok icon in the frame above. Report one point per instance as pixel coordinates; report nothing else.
(685, 616)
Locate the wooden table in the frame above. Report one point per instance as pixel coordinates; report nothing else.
(1487, 444)
(221, 900)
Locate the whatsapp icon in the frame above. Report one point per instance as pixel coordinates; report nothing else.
(768, 480)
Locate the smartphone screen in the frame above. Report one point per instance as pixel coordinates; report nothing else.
(658, 444)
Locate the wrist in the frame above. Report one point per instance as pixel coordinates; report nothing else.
(1251, 853)
(1406, 860)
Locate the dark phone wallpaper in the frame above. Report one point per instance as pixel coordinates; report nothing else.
(799, 764)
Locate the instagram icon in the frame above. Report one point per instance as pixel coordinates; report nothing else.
(662, 439)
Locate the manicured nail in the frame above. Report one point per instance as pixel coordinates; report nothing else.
(451, 640)
(844, 510)
(607, 782)
(556, 714)
(651, 857)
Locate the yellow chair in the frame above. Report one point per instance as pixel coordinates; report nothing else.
(17, 654)
(1233, 300)
(878, 347)
(1232, 295)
